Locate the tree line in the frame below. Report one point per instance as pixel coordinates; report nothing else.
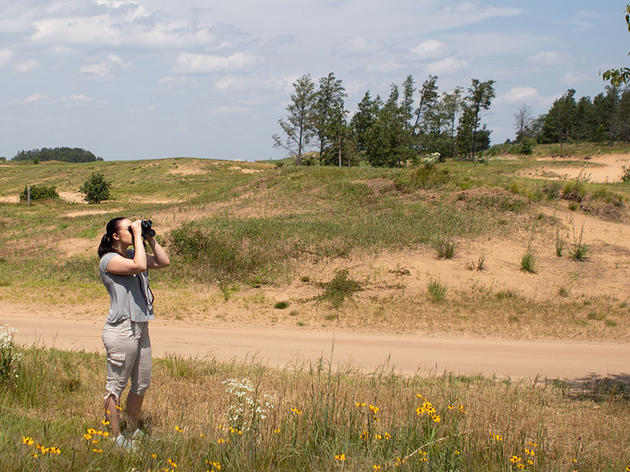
(605, 118)
(56, 154)
(411, 122)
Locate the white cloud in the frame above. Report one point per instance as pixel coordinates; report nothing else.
(230, 82)
(520, 94)
(228, 109)
(428, 49)
(26, 66)
(5, 56)
(359, 45)
(175, 81)
(573, 77)
(446, 66)
(105, 67)
(69, 100)
(547, 58)
(385, 66)
(206, 63)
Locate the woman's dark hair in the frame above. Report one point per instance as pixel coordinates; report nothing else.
(108, 238)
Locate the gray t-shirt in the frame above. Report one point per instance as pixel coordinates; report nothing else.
(130, 296)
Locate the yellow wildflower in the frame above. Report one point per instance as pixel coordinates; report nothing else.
(530, 462)
(530, 452)
(387, 435)
(105, 422)
(34, 454)
(340, 457)
(450, 407)
(422, 456)
(419, 395)
(374, 409)
(532, 444)
(457, 453)
(520, 466)
(91, 431)
(296, 411)
(359, 404)
(97, 450)
(378, 436)
(202, 436)
(29, 441)
(178, 429)
(365, 434)
(276, 431)
(376, 467)
(436, 418)
(515, 459)
(171, 463)
(154, 456)
(220, 441)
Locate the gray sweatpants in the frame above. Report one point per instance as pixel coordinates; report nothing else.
(128, 350)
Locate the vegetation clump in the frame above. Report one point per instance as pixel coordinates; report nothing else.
(39, 192)
(340, 288)
(56, 154)
(96, 188)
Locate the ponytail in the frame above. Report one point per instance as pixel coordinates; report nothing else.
(107, 240)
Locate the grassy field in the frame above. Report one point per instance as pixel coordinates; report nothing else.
(240, 232)
(204, 415)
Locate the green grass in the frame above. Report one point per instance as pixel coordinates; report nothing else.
(248, 417)
(528, 261)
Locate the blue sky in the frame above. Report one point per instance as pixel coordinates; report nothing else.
(132, 79)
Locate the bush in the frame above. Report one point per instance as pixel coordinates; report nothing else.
(9, 359)
(437, 292)
(96, 188)
(528, 261)
(39, 192)
(625, 176)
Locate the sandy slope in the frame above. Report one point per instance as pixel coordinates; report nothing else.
(281, 347)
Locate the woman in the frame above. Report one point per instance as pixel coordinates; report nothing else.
(126, 332)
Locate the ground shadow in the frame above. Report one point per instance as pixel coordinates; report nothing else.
(600, 388)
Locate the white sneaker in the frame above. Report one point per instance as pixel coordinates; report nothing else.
(124, 443)
(138, 434)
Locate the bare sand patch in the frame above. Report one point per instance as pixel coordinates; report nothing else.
(187, 170)
(73, 247)
(245, 170)
(608, 168)
(73, 197)
(75, 214)
(10, 199)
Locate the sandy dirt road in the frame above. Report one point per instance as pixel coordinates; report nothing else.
(406, 354)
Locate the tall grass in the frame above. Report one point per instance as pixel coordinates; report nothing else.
(313, 417)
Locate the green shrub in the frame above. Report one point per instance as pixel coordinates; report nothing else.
(340, 288)
(39, 192)
(424, 176)
(625, 176)
(528, 261)
(437, 292)
(96, 188)
(445, 248)
(281, 305)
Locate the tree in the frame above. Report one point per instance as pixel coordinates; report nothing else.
(428, 97)
(522, 120)
(560, 120)
(298, 126)
(621, 75)
(452, 103)
(363, 119)
(479, 98)
(327, 110)
(96, 188)
(65, 154)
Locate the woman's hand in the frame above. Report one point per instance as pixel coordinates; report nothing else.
(136, 229)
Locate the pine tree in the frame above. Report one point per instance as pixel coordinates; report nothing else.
(298, 127)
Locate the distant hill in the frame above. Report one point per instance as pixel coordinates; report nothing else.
(57, 154)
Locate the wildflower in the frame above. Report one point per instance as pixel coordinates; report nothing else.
(422, 456)
(387, 435)
(98, 451)
(171, 463)
(450, 407)
(27, 440)
(520, 466)
(105, 434)
(365, 434)
(374, 409)
(457, 453)
(359, 404)
(530, 452)
(531, 462)
(276, 431)
(376, 467)
(34, 454)
(436, 418)
(91, 431)
(202, 436)
(178, 429)
(572, 460)
(627, 469)
(220, 427)
(87, 437)
(296, 411)
(532, 444)
(461, 408)
(378, 436)
(154, 456)
(496, 437)
(220, 441)
(515, 459)
(118, 407)
(340, 457)
(105, 422)
(419, 395)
